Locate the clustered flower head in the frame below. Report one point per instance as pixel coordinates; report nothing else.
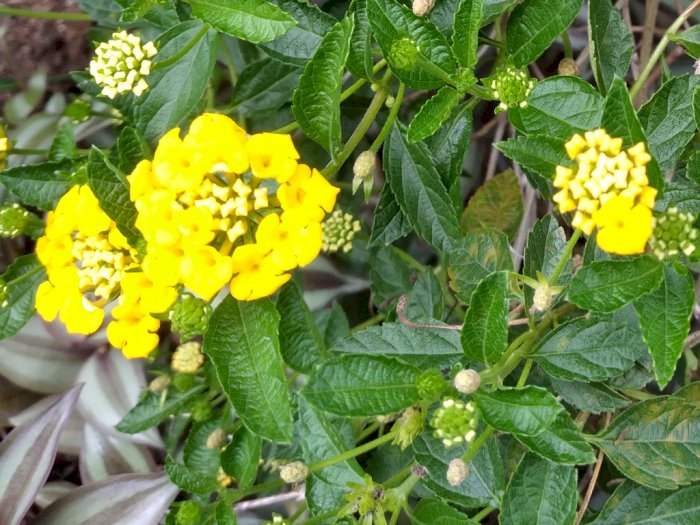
(338, 232)
(511, 86)
(190, 317)
(408, 426)
(122, 64)
(219, 207)
(455, 422)
(608, 189)
(673, 234)
(13, 220)
(187, 358)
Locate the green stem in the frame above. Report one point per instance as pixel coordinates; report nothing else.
(321, 517)
(390, 120)
(288, 128)
(568, 250)
(177, 56)
(371, 429)
(395, 516)
(49, 15)
(349, 454)
(369, 322)
(524, 374)
(399, 478)
(476, 445)
(482, 514)
(437, 71)
(568, 51)
(661, 46)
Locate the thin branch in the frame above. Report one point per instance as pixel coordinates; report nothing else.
(594, 479)
(692, 340)
(652, 9)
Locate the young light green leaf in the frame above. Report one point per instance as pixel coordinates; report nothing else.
(543, 251)
(528, 410)
(242, 342)
(497, 204)
(241, 457)
(540, 492)
(418, 190)
(593, 397)
(690, 40)
(152, 410)
(40, 185)
(485, 331)
(465, 39)
(316, 104)
(664, 315)
(561, 442)
(435, 512)
(433, 113)
(534, 25)
(251, 20)
(265, 85)
(63, 145)
(18, 287)
(188, 479)
(610, 43)
(363, 385)
(605, 286)
(449, 144)
(360, 62)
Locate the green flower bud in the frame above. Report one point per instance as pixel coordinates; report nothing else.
(202, 411)
(4, 294)
(511, 86)
(188, 513)
(404, 53)
(14, 220)
(338, 232)
(183, 382)
(409, 425)
(431, 384)
(673, 234)
(190, 316)
(455, 422)
(78, 111)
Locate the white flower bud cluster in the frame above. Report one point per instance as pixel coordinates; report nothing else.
(294, 472)
(457, 472)
(122, 64)
(467, 381)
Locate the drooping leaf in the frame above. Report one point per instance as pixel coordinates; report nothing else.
(241, 456)
(561, 442)
(610, 43)
(497, 204)
(40, 185)
(20, 282)
(433, 113)
(467, 21)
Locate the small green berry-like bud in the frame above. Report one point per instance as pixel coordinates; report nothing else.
(422, 7)
(511, 86)
(188, 513)
(183, 382)
(673, 234)
(568, 67)
(404, 53)
(294, 472)
(455, 422)
(190, 316)
(14, 220)
(431, 384)
(4, 294)
(457, 472)
(202, 411)
(467, 381)
(409, 425)
(78, 111)
(338, 232)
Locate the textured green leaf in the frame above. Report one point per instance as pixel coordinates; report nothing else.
(664, 315)
(433, 113)
(592, 397)
(592, 349)
(391, 21)
(189, 480)
(467, 21)
(224, 513)
(425, 301)
(656, 443)
(265, 85)
(333, 324)
(634, 505)
(63, 145)
(152, 410)
(131, 149)
(251, 20)
(497, 204)
(435, 512)
(605, 286)
(668, 119)
(300, 42)
(543, 251)
(540, 492)
(561, 442)
(40, 185)
(197, 456)
(360, 61)
(610, 43)
(477, 256)
(363, 385)
(390, 275)
(681, 194)
(112, 191)
(534, 25)
(300, 342)
(242, 342)
(443, 13)
(559, 107)
(527, 411)
(241, 457)
(316, 103)
(690, 40)
(390, 223)
(424, 348)
(485, 331)
(22, 279)
(418, 190)
(449, 144)
(538, 153)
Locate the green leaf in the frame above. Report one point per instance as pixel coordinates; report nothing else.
(300, 42)
(634, 505)
(545, 246)
(224, 513)
(251, 20)
(316, 103)
(112, 191)
(154, 408)
(197, 456)
(533, 25)
(592, 397)
(360, 62)
(137, 9)
(242, 342)
(681, 194)
(131, 149)
(656, 443)
(241, 457)
(434, 512)
(690, 40)
(265, 85)
(610, 43)
(177, 89)
(664, 315)
(561, 442)
(391, 21)
(620, 120)
(418, 190)
(390, 275)
(21, 279)
(497, 204)
(559, 107)
(592, 349)
(390, 223)
(423, 348)
(333, 324)
(40, 185)
(668, 120)
(538, 153)
(300, 342)
(483, 486)
(433, 113)
(363, 385)
(425, 301)
(528, 410)
(485, 331)
(189, 480)
(478, 255)
(449, 144)
(540, 492)
(605, 286)
(467, 21)
(63, 144)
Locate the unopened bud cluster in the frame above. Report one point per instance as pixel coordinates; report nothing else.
(404, 53)
(422, 7)
(13, 220)
(455, 422)
(122, 64)
(673, 234)
(338, 232)
(511, 86)
(457, 472)
(363, 171)
(189, 317)
(431, 384)
(187, 358)
(294, 472)
(408, 426)
(467, 381)
(542, 298)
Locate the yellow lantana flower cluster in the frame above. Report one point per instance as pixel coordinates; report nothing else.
(609, 189)
(89, 264)
(220, 207)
